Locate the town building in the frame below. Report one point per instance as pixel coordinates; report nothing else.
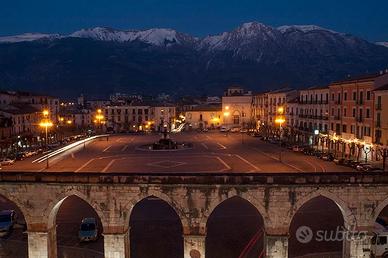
(204, 116)
(381, 115)
(25, 118)
(351, 107)
(278, 101)
(237, 108)
(313, 110)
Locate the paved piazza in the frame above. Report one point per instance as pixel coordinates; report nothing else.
(211, 152)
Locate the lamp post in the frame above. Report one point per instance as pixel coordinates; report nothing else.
(280, 120)
(226, 115)
(99, 119)
(46, 123)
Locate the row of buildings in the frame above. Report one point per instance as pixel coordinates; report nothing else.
(351, 114)
(353, 111)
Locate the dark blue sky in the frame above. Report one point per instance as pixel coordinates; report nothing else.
(367, 19)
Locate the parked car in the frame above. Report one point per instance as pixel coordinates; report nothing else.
(339, 161)
(243, 130)
(297, 148)
(235, 129)
(7, 221)
(327, 157)
(88, 230)
(360, 166)
(224, 129)
(369, 168)
(7, 162)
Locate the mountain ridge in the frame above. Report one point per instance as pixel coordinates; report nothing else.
(100, 60)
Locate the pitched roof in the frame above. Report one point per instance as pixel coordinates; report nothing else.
(384, 87)
(18, 109)
(359, 78)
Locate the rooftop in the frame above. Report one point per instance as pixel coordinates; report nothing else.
(18, 109)
(360, 78)
(384, 87)
(214, 107)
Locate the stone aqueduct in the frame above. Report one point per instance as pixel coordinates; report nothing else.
(277, 197)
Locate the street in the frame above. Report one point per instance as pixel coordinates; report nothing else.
(211, 152)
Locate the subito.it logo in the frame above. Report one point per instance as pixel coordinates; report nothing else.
(304, 234)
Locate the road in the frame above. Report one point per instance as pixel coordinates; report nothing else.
(211, 152)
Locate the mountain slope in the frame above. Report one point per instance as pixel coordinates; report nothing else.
(100, 61)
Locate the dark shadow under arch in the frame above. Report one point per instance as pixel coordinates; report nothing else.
(68, 219)
(323, 216)
(232, 225)
(155, 230)
(14, 244)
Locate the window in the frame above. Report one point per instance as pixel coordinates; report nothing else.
(344, 128)
(367, 113)
(368, 95)
(344, 111)
(361, 96)
(354, 96)
(352, 129)
(354, 112)
(345, 95)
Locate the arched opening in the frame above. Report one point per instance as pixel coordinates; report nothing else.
(235, 229)
(78, 229)
(155, 230)
(12, 225)
(379, 246)
(315, 230)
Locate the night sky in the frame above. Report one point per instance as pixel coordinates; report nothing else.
(367, 19)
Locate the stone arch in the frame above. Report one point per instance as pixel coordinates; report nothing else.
(55, 204)
(376, 212)
(164, 197)
(155, 228)
(247, 197)
(17, 202)
(347, 214)
(238, 221)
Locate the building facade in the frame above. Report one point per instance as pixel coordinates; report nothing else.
(381, 115)
(204, 116)
(237, 108)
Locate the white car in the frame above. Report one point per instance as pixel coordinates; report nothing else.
(224, 129)
(7, 162)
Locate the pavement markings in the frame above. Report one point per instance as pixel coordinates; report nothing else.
(205, 146)
(84, 165)
(107, 148)
(222, 146)
(125, 147)
(249, 163)
(109, 165)
(277, 159)
(224, 163)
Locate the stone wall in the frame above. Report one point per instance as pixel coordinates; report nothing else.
(360, 198)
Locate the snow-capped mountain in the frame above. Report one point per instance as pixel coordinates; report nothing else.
(29, 37)
(157, 37)
(100, 60)
(384, 44)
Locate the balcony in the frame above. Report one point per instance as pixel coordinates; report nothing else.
(378, 106)
(337, 118)
(360, 119)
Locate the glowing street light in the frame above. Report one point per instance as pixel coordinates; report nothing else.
(99, 118)
(45, 113)
(46, 123)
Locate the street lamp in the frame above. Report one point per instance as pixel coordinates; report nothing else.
(46, 123)
(99, 117)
